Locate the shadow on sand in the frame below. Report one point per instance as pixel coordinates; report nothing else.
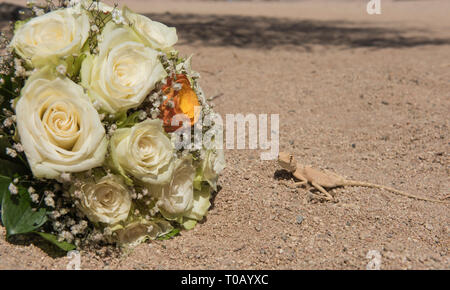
(267, 32)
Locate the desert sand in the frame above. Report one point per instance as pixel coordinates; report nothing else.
(366, 96)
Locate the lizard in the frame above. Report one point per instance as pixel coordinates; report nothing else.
(321, 180)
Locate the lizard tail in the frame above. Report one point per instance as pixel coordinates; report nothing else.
(366, 184)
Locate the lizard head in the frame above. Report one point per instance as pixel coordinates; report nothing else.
(287, 161)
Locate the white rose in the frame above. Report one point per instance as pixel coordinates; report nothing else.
(200, 205)
(212, 166)
(124, 72)
(138, 231)
(155, 34)
(143, 151)
(107, 201)
(54, 35)
(178, 195)
(59, 128)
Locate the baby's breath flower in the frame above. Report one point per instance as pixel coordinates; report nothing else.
(177, 86)
(65, 236)
(66, 177)
(49, 201)
(61, 69)
(94, 28)
(142, 115)
(18, 147)
(11, 152)
(117, 17)
(107, 231)
(49, 193)
(13, 189)
(112, 129)
(170, 104)
(55, 214)
(38, 11)
(57, 226)
(78, 194)
(34, 197)
(8, 122)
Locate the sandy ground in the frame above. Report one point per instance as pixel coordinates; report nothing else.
(365, 96)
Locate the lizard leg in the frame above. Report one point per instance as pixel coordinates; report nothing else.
(300, 183)
(321, 189)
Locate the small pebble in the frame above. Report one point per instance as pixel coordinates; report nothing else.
(300, 219)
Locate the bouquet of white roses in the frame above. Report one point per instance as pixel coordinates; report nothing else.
(91, 97)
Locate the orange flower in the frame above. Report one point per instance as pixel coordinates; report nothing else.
(183, 101)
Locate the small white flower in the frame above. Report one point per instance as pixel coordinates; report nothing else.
(49, 201)
(18, 147)
(66, 177)
(8, 122)
(107, 231)
(11, 152)
(61, 69)
(31, 190)
(177, 86)
(34, 197)
(94, 28)
(117, 17)
(13, 189)
(49, 193)
(38, 11)
(65, 236)
(112, 129)
(16, 180)
(170, 104)
(142, 115)
(78, 194)
(154, 113)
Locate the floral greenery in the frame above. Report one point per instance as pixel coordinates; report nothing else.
(107, 195)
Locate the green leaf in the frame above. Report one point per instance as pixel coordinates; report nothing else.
(169, 235)
(9, 168)
(7, 90)
(17, 214)
(65, 246)
(128, 121)
(4, 183)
